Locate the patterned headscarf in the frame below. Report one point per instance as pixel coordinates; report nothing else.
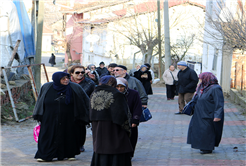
(208, 79)
(108, 80)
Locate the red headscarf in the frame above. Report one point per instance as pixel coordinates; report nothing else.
(208, 79)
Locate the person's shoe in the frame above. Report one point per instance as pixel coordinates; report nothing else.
(168, 98)
(172, 98)
(40, 160)
(71, 159)
(82, 149)
(206, 151)
(178, 113)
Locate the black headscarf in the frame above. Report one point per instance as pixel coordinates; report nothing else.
(66, 89)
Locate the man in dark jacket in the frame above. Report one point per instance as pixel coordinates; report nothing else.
(77, 73)
(110, 71)
(133, 83)
(187, 84)
(101, 69)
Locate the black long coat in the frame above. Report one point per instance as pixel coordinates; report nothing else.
(145, 81)
(60, 134)
(203, 133)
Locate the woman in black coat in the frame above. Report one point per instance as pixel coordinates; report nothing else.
(206, 125)
(62, 107)
(145, 77)
(110, 119)
(135, 106)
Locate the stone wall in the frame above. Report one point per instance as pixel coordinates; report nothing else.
(19, 92)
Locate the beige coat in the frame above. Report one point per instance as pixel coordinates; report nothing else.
(167, 77)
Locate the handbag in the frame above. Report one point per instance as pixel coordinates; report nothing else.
(176, 83)
(36, 131)
(146, 115)
(189, 107)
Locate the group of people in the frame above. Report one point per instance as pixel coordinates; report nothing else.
(111, 100)
(107, 98)
(206, 125)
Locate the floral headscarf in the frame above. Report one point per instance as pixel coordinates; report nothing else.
(208, 79)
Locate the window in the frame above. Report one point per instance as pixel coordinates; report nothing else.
(216, 51)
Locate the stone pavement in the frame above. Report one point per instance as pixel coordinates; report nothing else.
(162, 140)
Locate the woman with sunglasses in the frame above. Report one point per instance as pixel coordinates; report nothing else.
(62, 106)
(77, 73)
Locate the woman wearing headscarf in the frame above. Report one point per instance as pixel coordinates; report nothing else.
(135, 106)
(111, 130)
(145, 77)
(206, 125)
(62, 107)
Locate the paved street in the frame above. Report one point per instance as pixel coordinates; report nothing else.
(162, 140)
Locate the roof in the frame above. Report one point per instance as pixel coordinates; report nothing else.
(82, 6)
(151, 6)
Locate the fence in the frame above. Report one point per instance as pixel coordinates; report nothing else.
(35, 93)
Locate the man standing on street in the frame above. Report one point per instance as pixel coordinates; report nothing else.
(101, 69)
(187, 84)
(133, 83)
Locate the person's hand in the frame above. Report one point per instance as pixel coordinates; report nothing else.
(145, 106)
(217, 119)
(87, 71)
(151, 81)
(92, 76)
(134, 125)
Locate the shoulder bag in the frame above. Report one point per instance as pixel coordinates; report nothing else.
(146, 115)
(190, 107)
(176, 83)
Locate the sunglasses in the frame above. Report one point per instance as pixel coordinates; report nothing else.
(116, 70)
(92, 67)
(82, 72)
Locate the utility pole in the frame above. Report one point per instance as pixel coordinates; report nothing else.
(167, 36)
(40, 20)
(159, 38)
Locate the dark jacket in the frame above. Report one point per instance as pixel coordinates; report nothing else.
(203, 132)
(88, 85)
(81, 104)
(52, 59)
(110, 128)
(187, 80)
(101, 71)
(105, 74)
(135, 84)
(145, 81)
(135, 105)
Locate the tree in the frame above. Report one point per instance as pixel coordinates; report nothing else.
(228, 25)
(180, 49)
(143, 30)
